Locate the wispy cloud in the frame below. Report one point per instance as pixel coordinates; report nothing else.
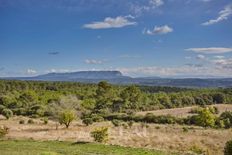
(193, 70)
(210, 50)
(31, 71)
(109, 22)
(219, 56)
(158, 30)
(200, 57)
(148, 5)
(223, 15)
(93, 61)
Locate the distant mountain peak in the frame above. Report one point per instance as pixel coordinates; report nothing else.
(84, 75)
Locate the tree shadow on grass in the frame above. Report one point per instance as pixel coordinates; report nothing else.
(80, 143)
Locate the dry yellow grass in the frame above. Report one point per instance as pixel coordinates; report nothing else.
(163, 137)
(184, 112)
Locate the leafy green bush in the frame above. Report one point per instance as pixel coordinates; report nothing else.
(116, 122)
(196, 149)
(185, 129)
(226, 117)
(100, 134)
(228, 148)
(3, 131)
(206, 118)
(2, 107)
(7, 113)
(87, 121)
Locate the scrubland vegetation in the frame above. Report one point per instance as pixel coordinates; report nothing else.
(61, 104)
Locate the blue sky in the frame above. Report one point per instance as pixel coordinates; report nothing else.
(174, 38)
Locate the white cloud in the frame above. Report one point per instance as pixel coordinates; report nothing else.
(92, 61)
(158, 30)
(148, 5)
(31, 71)
(219, 56)
(200, 57)
(223, 15)
(156, 3)
(109, 22)
(210, 50)
(184, 71)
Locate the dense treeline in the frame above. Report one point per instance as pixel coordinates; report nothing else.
(205, 117)
(39, 99)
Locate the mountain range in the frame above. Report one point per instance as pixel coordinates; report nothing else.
(116, 77)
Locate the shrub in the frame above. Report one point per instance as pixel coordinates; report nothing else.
(87, 121)
(21, 122)
(45, 120)
(97, 118)
(206, 118)
(196, 149)
(130, 123)
(30, 121)
(2, 107)
(125, 126)
(185, 129)
(3, 131)
(195, 110)
(227, 119)
(228, 148)
(7, 113)
(100, 134)
(157, 127)
(116, 122)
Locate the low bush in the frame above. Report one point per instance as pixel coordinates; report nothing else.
(100, 134)
(196, 149)
(130, 123)
(30, 121)
(3, 131)
(185, 129)
(116, 122)
(87, 121)
(7, 113)
(21, 122)
(228, 148)
(45, 120)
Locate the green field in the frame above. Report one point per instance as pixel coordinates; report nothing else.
(23, 147)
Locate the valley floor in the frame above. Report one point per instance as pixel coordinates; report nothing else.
(154, 136)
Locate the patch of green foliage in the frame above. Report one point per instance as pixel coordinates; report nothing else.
(100, 134)
(68, 148)
(228, 148)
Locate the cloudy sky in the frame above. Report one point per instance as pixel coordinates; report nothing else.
(168, 38)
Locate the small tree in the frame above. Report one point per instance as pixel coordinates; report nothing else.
(66, 117)
(7, 113)
(228, 148)
(100, 134)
